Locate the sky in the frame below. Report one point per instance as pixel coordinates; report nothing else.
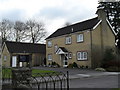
(53, 13)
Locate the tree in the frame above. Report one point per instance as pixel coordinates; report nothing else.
(36, 30)
(20, 31)
(5, 29)
(67, 24)
(112, 10)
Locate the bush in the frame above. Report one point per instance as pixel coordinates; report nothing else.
(113, 69)
(54, 64)
(100, 69)
(75, 65)
(70, 66)
(109, 59)
(86, 67)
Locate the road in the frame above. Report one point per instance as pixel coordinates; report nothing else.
(95, 82)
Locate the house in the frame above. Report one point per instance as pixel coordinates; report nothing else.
(18, 54)
(83, 42)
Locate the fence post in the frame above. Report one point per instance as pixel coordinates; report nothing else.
(67, 80)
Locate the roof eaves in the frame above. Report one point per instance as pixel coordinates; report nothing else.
(111, 27)
(97, 25)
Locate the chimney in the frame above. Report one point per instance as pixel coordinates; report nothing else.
(101, 14)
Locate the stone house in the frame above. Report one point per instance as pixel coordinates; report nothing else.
(83, 42)
(17, 54)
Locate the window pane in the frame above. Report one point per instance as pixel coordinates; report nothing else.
(56, 47)
(68, 40)
(70, 55)
(82, 56)
(85, 55)
(49, 43)
(49, 57)
(78, 55)
(80, 38)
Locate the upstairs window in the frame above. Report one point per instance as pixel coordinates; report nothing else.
(49, 44)
(68, 40)
(49, 56)
(80, 38)
(55, 48)
(5, 58)
(82, 55)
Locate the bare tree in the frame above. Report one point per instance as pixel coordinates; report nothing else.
(67, 24)
(5, 29)
(20, 31)
(36, 31)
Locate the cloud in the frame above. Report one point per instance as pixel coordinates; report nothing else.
(12, 15)
(54, 13)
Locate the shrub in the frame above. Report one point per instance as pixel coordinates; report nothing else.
(70, 66)
(82, 66)
(54, 64)
(75, 65)
(86, 67)
(100, 69)
(113, 69)
(109, 58)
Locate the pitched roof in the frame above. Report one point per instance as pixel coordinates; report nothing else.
(18, 47)
(81, 26)
(63, 49)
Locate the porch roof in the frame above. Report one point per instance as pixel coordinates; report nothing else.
(62, 50)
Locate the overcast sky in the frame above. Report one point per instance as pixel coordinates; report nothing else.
(54, 13)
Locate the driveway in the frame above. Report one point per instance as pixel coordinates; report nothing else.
(78, 73)
(88, 78)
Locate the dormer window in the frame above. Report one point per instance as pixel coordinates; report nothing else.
(80, 38)
(49, 44)
(68, 40)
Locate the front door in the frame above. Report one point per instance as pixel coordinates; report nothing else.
(65, 61)
(14, 61)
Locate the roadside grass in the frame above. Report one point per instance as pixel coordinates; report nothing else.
(7, 72)
(116, 89)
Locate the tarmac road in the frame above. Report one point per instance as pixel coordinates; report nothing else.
(95, 82)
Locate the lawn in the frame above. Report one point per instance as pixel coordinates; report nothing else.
(7, 72)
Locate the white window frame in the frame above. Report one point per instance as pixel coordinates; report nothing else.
(49, 56)
(80, 38)
(68, 40)
(70, 55)
(55, 48)
(5, 58)
(82, 55)
(49, 43)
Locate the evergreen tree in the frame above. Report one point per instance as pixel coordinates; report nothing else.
(112, 10)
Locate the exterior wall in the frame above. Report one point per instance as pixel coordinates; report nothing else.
(108, 38)
(5, 53)
(102, 38)
(95, 43)
(73, 48)
(38, 59)
(96, 47)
